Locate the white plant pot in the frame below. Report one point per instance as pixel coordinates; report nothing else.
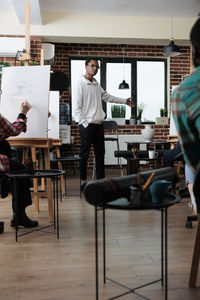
(132, 121)
(148, 133)
(120, 121)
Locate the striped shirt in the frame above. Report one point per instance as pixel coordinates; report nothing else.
(185, 103)
(9, 129)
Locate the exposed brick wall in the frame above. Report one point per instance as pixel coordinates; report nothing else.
(35, 47)
(179, 66)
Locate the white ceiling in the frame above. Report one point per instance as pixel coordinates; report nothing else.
(54, 16)
(152, 8)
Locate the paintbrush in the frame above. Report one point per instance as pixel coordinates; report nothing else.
(149, 180)
(133, 151)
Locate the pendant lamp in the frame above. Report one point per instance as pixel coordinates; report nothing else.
(123, 85)
(171, 49)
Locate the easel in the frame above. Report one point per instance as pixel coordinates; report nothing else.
(33, 143)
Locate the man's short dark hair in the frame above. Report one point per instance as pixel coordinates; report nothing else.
(89, 59)
(195, 34)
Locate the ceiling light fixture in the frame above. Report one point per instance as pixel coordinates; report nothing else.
(171, 49)
(123, 85)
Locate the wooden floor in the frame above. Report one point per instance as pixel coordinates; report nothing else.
(40, 267)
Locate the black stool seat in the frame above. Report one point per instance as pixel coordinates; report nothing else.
(63, 159)
(110, 139)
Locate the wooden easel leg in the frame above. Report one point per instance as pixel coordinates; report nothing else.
(49, 189)
(60, 168)
(35, 181)
(196, 257)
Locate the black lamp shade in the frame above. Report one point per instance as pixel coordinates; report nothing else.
(123, 85)
(171, 49)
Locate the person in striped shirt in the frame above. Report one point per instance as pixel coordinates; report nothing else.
(185, 103)
(7, 164)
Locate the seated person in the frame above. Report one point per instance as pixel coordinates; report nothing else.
(7, 164)
(170, 155)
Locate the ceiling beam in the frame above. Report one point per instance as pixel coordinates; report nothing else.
(35, 11)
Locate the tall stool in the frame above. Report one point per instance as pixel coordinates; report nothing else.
(51, 174)
(114, 194)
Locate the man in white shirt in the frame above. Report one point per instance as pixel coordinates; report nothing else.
(90, 115)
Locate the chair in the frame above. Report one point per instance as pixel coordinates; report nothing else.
(196, 251)
(110, 125)
(64, 160)
(113, 194)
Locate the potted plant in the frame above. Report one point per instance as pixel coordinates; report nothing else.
(140, 109)
(163, 112)
(163, 119)
(118, 113)
(133, 119)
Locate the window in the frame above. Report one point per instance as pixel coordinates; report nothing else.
(151, 88)
(146, 78)
(114, 76)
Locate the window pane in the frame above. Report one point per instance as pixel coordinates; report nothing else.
(114, 76)
(78, 69)
(151, 88)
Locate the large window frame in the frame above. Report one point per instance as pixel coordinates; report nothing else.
(133, 61)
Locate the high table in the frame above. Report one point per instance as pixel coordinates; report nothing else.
(133, 163)
(48, 174)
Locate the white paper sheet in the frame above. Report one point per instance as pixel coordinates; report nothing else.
(29, 83)
(53, 120)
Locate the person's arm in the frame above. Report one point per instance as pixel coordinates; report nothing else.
(109, 98)
(12, 129)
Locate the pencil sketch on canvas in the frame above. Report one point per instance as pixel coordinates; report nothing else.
(29, 83)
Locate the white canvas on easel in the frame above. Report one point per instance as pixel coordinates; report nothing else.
(53, 120)
(29, 83)
(172, 126)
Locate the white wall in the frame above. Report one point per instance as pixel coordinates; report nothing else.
(80, 28)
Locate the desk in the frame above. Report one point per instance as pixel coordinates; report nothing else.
(33, 143)
(48, 174)
(133, 163)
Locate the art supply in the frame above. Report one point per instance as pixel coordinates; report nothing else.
(158, 190)
(148, 182)
(133, 151)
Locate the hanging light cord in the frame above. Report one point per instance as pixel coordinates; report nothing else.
(172, 29)
(123, 64)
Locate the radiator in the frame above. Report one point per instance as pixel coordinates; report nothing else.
(110, 147)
